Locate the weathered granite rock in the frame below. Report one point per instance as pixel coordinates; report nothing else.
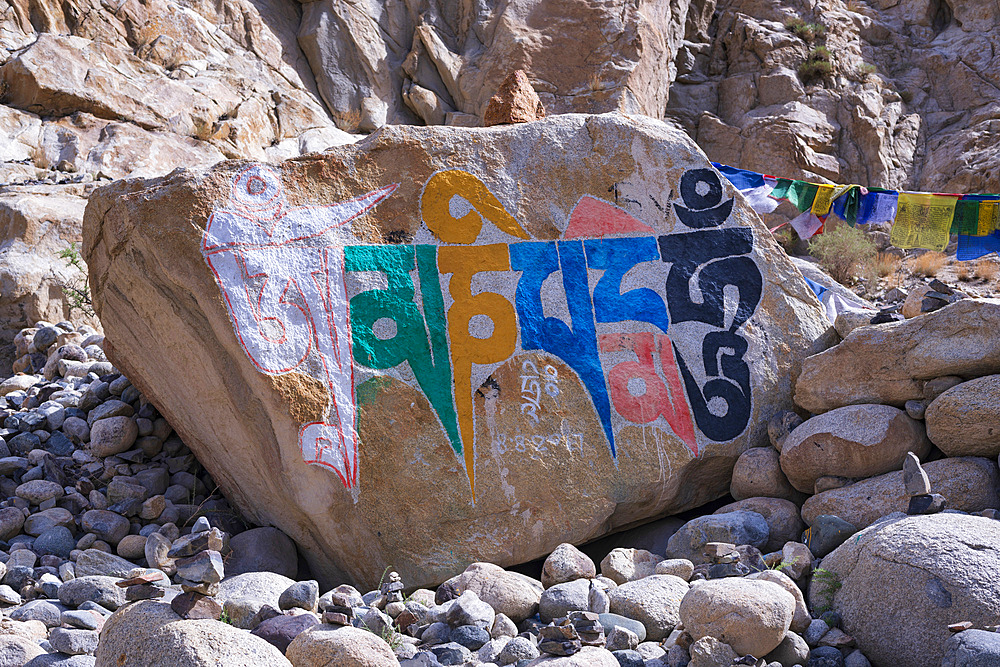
(889, 363)
(905, 579)
(969, 484)
(965, 420)
(855, 441)
(758, 473)
(150, 633)
(514, 102)
(370, 70)
(782, 516)
(35, 224)
(476, 440)
(752, 616)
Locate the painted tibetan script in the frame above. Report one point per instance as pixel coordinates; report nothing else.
(476, 289)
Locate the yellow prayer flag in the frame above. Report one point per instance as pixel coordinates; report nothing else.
(923, 221)
(989, 215)
(824, 199)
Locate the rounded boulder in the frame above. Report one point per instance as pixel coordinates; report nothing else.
(16, 651)
(752, 616)
(112, 435)
(567, 563)
(968, 483)
(739, 527)
(344, 646)
(264, 549)
(856, 441)
(588, 656)
(758, 473)
(899, 583)
(782, 516)
(653, 601)
(149, 633)
(509, 593)
(965, 420)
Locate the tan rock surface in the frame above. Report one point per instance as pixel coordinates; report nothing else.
(969, 484)
(515, 102)
(965, 420)
(889, 363)
(750, 615)
(163, 309)
(927, 570)
(758, 473)
(801, 617)
(339, 645)
(855, 441)
(36, 223)
(150, 633)
(401, 69)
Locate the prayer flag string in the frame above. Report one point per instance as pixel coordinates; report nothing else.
(919, 219)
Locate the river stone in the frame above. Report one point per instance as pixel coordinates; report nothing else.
(739, 527)
(782, 516)
(972, 648)
(150, 633)
(752, 616)
(266, 587)
(567, 563)
(557, 601)
(107, 525)
(16, 651)
(112, 435)
(11, 521)
(456, 435)
(588, 656)
(889, 363)
(344, 646)
(758, 474)
(621, 565)
(652, 601)
(969, 484)
(856, 441)
(509, 593)
(965, 420)
(800, 617)
(905, 579)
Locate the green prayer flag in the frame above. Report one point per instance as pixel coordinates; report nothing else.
(966, 220)
(802, 194)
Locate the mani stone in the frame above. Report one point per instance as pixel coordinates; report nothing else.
(914, 478)
(413, 392)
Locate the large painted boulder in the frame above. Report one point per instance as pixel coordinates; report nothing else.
(448, 345)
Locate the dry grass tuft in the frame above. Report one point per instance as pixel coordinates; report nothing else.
(928, 264)
(963, 272)
(886, 264)
(986, 270)
(349, 121)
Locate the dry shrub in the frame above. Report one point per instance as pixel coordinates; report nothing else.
(986, 270)
(886, 264)
(963, 272)
(928, 264)
(843, 252)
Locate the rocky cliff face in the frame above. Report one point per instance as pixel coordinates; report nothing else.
(910, 100)
(899, 93)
